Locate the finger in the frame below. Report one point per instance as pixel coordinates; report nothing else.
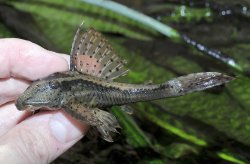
(10, 116)
(11, 88)
(24, 59)
(42, 138)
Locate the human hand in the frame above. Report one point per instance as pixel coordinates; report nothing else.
(42, 137)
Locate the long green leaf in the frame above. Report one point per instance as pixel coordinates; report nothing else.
(144, 19)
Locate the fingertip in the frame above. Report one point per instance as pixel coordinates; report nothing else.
(10, 117)
(25, 59)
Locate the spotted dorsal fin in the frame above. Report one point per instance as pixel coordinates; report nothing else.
(92, 54)
(74, 48)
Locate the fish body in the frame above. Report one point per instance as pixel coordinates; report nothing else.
(88, 89)
(61, 89)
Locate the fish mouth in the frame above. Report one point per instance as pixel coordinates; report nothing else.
(31, 108)
(37, 103)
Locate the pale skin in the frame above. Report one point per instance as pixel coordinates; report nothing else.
(27, 138)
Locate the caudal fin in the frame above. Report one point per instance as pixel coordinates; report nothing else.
(198, 81)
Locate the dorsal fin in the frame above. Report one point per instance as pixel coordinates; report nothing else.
(92, 54)
(74, 47)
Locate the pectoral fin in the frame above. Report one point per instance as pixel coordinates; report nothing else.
(103, 121)
(108, 125)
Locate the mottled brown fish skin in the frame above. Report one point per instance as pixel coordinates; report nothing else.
(63, 89)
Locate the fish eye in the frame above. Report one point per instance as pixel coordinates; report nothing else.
(54, 84)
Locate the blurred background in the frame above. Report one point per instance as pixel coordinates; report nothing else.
(178, 38)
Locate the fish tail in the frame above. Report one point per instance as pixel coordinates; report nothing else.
(179, 86)
(196, 82)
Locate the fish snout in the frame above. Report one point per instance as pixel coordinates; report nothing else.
(20, 104)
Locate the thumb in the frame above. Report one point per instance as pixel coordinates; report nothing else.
(41, 138)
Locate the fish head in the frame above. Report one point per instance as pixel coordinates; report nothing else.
(41, 94)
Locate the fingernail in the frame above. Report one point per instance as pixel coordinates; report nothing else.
(63, 130)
